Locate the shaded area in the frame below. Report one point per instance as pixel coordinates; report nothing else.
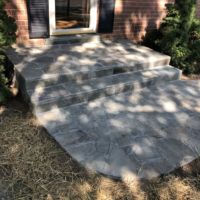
(130, 136)
(47, 66)
(134, 19)
(33, 166)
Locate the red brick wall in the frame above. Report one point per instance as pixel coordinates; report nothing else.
(132, 18)
(18, 10)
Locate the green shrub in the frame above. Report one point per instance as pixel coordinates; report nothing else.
(7, 37)
(179, 36)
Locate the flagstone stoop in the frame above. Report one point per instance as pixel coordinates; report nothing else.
(115, 107)
(88, 70)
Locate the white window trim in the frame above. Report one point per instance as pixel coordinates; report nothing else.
(92, 26)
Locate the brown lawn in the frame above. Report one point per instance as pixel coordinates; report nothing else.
(33, 166)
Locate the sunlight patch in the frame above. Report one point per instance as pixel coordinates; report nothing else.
(169, 106)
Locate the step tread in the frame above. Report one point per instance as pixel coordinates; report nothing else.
(51, 62)
(76, 109)
(64, 68)
(43, 94)
(72, 69)
(71, 39)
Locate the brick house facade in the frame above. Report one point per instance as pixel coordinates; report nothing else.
(132, 18)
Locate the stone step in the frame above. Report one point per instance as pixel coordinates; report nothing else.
(62, 95)
(57, 64)
(78, 74)
(71, 39)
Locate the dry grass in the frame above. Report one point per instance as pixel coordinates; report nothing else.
(190, 77)
(33, 166)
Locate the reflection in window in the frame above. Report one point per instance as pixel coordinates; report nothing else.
(72, 14)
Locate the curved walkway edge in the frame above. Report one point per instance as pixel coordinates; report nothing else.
(140, 135)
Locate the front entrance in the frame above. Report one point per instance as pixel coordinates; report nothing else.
(72, 16)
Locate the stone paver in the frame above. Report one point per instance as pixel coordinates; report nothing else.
(68, 94)
(88, 59)
(132, 134)
(69, 74)
(142, 135)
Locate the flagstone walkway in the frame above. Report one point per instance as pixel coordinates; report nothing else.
(140, 136)
(115, 107)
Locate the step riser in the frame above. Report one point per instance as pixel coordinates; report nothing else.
(71, 39)
(86, 75)
(108, 91)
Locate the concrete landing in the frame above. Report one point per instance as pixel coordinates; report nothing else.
(140, 135)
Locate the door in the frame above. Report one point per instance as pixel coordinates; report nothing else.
(72, 16)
